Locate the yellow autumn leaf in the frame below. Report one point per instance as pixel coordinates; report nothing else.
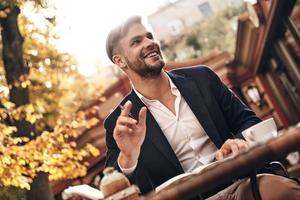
(24, 183)
(22, 162)
(9, 130)
(81, 114)
(29, 108)
(93, 150)
(31, 118)
(8, 104)
(6, 160)
(92, 122)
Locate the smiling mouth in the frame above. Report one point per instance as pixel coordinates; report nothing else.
(151, 54)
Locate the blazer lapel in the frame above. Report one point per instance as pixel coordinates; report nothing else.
(192, 95)
(154, 133)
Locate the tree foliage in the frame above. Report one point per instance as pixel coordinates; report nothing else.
(55, 89)
(54, 79)
(52, 152)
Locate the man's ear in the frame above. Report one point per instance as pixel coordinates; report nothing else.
(119, 60)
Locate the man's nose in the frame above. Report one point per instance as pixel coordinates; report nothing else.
(149, 43)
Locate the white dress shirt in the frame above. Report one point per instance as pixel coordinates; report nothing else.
(188, 139)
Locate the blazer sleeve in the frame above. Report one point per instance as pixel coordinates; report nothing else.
(237, 115)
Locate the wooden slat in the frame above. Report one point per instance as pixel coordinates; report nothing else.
(278, 10)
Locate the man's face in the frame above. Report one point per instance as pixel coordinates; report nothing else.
(140, 52)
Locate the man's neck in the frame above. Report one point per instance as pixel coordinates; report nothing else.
(152, 88)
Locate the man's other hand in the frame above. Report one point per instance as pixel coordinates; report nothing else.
(231, 146)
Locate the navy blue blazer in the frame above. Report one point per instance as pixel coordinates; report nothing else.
(219, 111)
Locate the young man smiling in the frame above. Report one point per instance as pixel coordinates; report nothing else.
(181, 119)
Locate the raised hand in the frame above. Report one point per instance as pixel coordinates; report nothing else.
(129, 135)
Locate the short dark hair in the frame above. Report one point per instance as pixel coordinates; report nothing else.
(116, 34)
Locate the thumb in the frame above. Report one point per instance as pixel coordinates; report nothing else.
(219, 155)
(142, 116)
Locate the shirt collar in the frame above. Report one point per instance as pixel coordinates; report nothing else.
(147, 101)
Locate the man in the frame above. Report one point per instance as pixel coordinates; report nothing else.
(174, 122)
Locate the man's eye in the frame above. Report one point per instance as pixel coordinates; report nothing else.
(150, 36)
(135, 42)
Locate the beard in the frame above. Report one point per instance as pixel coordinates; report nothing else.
(146, 70)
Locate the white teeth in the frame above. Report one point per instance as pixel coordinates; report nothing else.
(152, 54)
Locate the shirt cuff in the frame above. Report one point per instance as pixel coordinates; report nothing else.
(127, 171)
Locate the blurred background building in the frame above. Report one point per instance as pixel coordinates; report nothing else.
(173, 18)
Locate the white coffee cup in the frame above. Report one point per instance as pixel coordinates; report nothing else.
(261, 132)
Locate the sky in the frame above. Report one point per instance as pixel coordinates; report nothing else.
(83, 26)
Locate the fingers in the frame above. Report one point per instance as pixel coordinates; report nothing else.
(230, 146)
(222, 153)
(237, 145)
(128, 121)
(125, 110)
(122, 129)
(125, 118)
(234, 148)
(242, 144)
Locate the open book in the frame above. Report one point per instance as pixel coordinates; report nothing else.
(187, 175)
